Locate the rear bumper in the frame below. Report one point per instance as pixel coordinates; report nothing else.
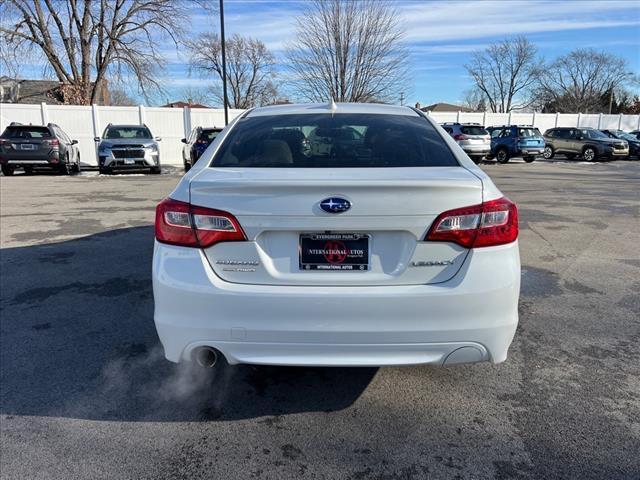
(470, 318)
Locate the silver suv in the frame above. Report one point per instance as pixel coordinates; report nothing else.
(128, 147)
(472, 137)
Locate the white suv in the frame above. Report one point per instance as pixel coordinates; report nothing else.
(349, 234)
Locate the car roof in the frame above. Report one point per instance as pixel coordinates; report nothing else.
(113, 125)
(335, 108)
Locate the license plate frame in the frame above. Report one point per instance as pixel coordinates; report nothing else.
(27, 146)
(334, 251)
(129, 161)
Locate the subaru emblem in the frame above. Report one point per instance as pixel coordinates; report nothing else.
(335, 205)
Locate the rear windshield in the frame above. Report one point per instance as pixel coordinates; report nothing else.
(474, 130)
(27, 132)
(127, 132)
(529, 132)
(334, 141)
(209, 135)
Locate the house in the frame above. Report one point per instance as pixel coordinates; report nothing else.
(15, 90)
(181, 104)
(445, 107)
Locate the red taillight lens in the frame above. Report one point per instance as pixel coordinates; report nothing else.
(53, 143)
(491, 223)
(460, 137)
(180, 223)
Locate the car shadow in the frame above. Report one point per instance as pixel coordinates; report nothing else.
(78, 341)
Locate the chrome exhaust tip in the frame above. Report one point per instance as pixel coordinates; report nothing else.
(206, 357)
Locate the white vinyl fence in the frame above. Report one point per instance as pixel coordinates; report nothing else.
(83, 123)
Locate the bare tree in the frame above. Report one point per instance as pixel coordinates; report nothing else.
(506, 73)
(250, 68)
(584, 80)
(84, 42)
(474, 99)
(120, 97)
(348, 51)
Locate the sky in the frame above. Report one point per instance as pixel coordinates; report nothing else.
(440, 36)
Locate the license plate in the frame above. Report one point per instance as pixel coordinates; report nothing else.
(27, 146)
(129, 161)
(334, 251)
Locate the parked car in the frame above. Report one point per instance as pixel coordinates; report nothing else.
(196, 143)
(336, 248)
(127, 147)
(508, 141)
(32, 147)
(472, 137)
(589, 143)
(635, 133)
(633, 141)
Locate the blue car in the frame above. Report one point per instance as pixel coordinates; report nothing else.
(510, 141)
(195, 145)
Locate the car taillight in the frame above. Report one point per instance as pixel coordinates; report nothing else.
(200, 141)
(180, 223)
(53, 143)
(492, 223)
(459, 137)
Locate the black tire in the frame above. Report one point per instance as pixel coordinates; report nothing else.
(187, 167)
(64, 169)
(104, 171)
(589, 154)
(28, 170)
(529, 159)
(156, 170)
(548, 152)
(7, 170)
(570, 156)
(477, 160)
(502, 155)
(76, 166)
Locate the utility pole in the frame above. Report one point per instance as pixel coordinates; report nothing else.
(610, 98)
(402, 98)
(224, 66)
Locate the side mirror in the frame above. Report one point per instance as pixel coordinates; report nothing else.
(184, 140)
(74, 142)
(158, 139)
(96, 139)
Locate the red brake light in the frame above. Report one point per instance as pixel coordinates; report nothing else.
(459, 137)
(180, 223)
(492, 223)
(54, 143)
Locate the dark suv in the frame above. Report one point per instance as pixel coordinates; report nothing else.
(515, 141)
(195, 145)
(590, 143)
(33, 147)
(632, 140)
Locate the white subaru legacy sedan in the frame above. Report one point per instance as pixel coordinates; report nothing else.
(344, 235)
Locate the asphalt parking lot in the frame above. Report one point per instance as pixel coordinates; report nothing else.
(86, 393)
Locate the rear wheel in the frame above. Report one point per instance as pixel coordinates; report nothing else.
(28, 170)
(156, 170)
(63, 169)
(548, 152)
(477, 160)
(7, 171)
(529, 159)
(187, 167)
(589, 154)
(76, 166)
(502, 155)
(105, 171)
